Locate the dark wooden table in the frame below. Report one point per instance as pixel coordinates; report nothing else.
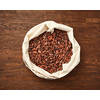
(14, 75)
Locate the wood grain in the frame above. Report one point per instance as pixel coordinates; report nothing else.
(13, 27)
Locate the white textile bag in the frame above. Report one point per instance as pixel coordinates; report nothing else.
(49, 27)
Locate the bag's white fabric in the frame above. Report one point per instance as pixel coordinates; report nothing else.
(35, 32)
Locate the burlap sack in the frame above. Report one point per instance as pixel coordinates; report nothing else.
(35, 32)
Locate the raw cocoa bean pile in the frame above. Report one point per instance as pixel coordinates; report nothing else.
(50, 50)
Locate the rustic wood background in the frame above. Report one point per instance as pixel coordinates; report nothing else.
(14, 26)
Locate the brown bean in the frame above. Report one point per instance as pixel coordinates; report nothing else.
(49, 51)
(34, 51)
(39, 51)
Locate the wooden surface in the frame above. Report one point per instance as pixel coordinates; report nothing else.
(14, 26)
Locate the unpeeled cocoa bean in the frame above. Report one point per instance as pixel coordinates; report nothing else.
(49, 51)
